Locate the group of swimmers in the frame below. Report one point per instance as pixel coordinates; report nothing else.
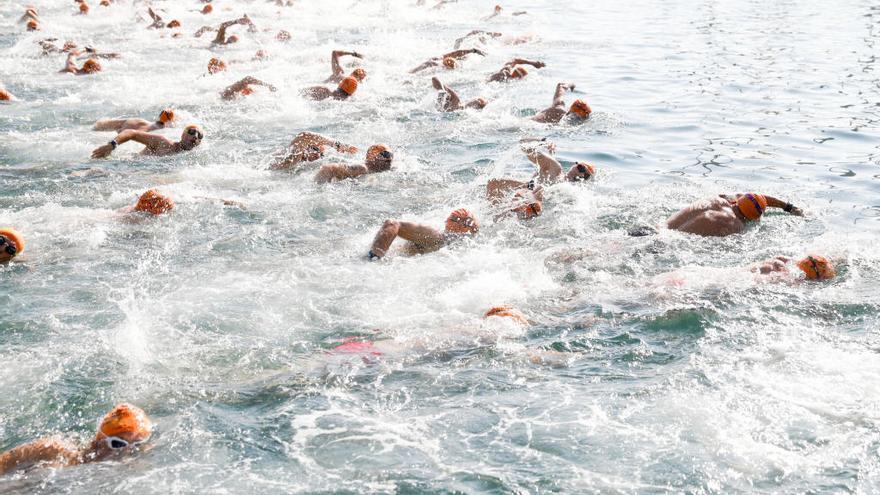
(127, 427)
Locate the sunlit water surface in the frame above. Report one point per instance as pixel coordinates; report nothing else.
(218, 320)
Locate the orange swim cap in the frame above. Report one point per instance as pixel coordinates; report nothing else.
(91, 66)
(581, 109)
(507, 312)
(348, 85)
(359, 74)
(519, 73)
(207, 9)
(83, 8)
(105, 3)
(817, 267)
(752, 205)
(462, 221)
(374, 150)
(32, 25)
(173, 24)
(166, 116)
(126, 419)
(154, 202)
(5, 95)
(216, 65)
(14, 237)
(449, 62)
(529, 210)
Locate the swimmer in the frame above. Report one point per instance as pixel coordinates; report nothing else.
(11, 244)
(221, 38)
(726, 215)
(33, 25)
(338, 73)
(6, 95)
(423, 238)
(90, 66)
(152, 202)
(120, 433)
(216, 65)
(308, 147)
(511, 71)
(155, 144)
(448, 60)
(379, 158)
(813, 267)
(166, 119)
(346, 88)
(448, 100)
(30, 14)
(49, 46)
(243, 88)
(497, 11)
(83, 7)
(482, 36)
(158, 23)
(578, 111)
(550, 171)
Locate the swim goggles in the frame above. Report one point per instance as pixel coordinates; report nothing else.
(10, 248)
(192, 131)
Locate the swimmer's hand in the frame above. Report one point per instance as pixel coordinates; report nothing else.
(794, 210)
(478, 51)
(371, 256)
(102, 151)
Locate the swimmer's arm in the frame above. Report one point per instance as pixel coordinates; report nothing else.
(153, 142)
(220, 39)
(459, 41)
(785, 206)
(521, 61)
(304, 140)
(70, 65)
(460, 54)
(334, 61)
(561, 88)
(549, 169)
(419, 234)
(336, 172)
(109, 125)
(453, 102)
(29, 454)
(429, 63)
(202, 30)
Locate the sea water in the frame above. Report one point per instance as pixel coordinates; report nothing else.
(219, 321)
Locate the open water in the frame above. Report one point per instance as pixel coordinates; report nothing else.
(218, 320)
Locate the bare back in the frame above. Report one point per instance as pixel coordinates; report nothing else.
(713, 217)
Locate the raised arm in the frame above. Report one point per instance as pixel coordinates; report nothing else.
(521, 61)
(785, 206)
(109, 124)
(70, 65)
(459, 54)
(561, 88)
(450, 101)
(153, 142)
(549, 169)
(423, 236)
(338, 71)
(475, 32)
(234, 89)
(220, 39)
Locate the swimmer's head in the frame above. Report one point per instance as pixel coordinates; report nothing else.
(497, 9)
(11, 244)
(173, 24)
(528, 211)
(154, 202)
(207, 9)
(122, 429)
(5, 95)
(105, 3)
(379, 158)
(32, 25)
(313, 152)
(348, 85)
(752, 205)
(519, 73)
(260, 55)
(167, 116)
(449, 63)
(580, 108)
(817, 267)
(192, 136)
(83, 8)
(478, 103)
(462, 221)
(359, 74)
(216, 65)
(507, 312)
(232, 39)
(91, 66)
(283, 35)
(580, 171)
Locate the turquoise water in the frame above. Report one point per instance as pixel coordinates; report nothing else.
(218, 321)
